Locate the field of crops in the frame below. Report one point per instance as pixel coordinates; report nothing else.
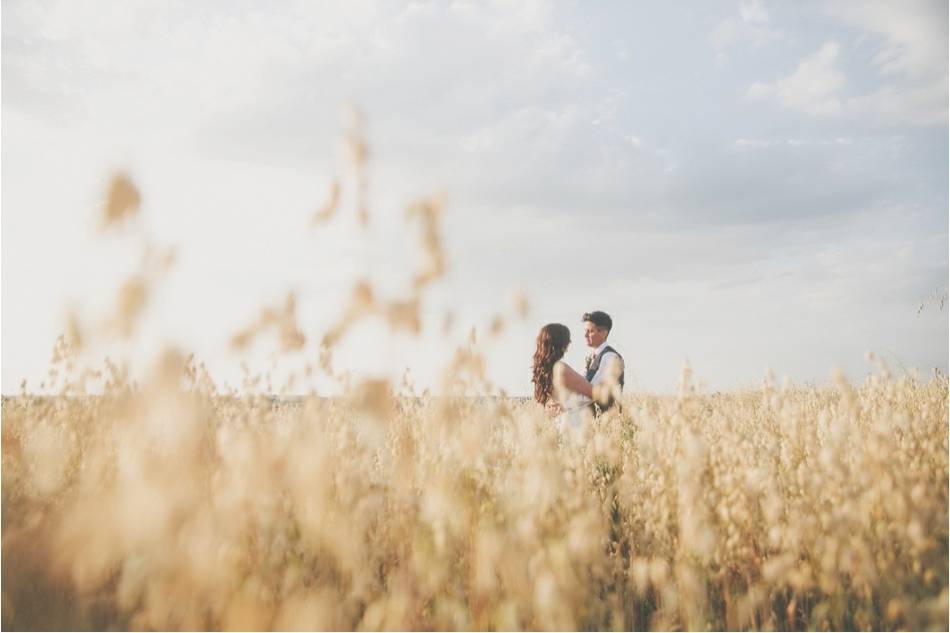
(167, 506)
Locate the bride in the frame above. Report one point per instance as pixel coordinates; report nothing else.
(561, 390)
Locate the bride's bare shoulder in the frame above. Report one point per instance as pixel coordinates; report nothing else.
(560, 368)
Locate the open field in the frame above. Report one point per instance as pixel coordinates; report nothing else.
(169, 507)
(318, 278)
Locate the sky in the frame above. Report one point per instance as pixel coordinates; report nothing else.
(742, 186)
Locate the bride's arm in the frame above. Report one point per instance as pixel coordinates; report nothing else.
(571, 380)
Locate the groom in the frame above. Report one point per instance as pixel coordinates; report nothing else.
(605, 366)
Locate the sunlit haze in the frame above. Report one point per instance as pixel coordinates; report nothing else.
(739, 185)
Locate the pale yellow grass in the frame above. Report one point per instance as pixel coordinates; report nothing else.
(170, 507)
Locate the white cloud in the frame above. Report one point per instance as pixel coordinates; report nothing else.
(913, 33)
(750, 25)
(813, 87)
(910, 41)
(909, 52)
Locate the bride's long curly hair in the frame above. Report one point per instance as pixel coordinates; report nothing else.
(552, 342)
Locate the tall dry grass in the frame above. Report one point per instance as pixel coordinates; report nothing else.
(165, 504)
(170, 507)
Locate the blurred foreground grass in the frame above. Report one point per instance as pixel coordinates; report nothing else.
(167, 506)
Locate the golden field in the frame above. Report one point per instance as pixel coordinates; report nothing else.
(167, 506)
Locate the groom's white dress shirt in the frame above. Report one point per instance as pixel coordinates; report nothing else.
(606, 363)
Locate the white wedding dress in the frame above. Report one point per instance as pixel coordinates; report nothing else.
(573, 406)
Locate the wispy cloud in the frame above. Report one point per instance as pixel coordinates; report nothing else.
(911, 37)
(750, 25)
(908, 52)
(813, 87)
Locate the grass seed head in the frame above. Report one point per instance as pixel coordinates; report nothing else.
(122, 200)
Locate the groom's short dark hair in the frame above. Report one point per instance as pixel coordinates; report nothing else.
(598, 318)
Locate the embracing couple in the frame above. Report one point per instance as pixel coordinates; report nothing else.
(566, 393)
